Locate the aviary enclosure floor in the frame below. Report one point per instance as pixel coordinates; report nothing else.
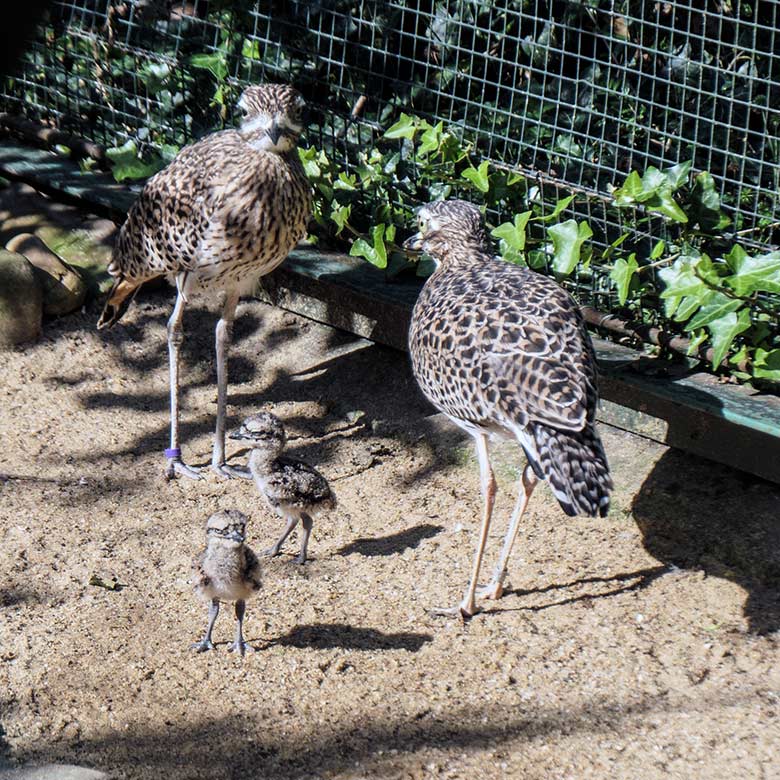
(641, 645)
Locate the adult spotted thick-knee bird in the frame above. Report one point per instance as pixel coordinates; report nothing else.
(227, 210)
(502, 350)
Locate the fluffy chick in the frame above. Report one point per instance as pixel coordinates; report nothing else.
(292, 488)
(226, 570)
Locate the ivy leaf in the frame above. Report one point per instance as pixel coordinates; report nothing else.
(478, 176)
(766, 364)
(622, 274)
(724, 330)
(215, 63)
(568, 238)
(340, 215)
(680, 280)
(345, 182)
(677, 175)
(705, 204)
(126, 164)
(653, 190)
(513, 232)
(431, 138)
(405, 127)
(658, 250)
(717, 304)
(663, 203)
(753, 274)
(629, 193)
(559, 207)
(375, 253)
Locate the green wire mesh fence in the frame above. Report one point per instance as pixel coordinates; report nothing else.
(573, 94)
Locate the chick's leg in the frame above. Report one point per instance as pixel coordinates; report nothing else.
(206, 643)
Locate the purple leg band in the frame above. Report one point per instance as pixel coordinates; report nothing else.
(173, 452)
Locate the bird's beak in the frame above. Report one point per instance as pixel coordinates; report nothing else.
(414, 243)
(237, 536)
(274, 133)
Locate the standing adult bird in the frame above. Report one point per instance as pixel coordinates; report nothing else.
(227, 210)
(502, 350)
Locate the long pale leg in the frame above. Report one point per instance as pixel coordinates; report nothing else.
(223, 338)
(467, 606)
(239, 643)
(206, 643)
(528, 481)
(291, 523)
(307, 526)
(175, 339)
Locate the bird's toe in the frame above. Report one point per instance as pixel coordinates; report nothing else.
(241, 647)
(202, 646)
(230, 472)
(176, 466)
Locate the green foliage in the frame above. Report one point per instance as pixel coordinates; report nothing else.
(710, 288)
(126, 162)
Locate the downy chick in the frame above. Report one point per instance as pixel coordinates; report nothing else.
(292, 488)
(227, 570)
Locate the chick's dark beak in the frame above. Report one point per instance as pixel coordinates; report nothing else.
(237, 536)
(414, 243)
(275, 133)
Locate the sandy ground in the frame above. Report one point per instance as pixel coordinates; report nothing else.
(641, 645)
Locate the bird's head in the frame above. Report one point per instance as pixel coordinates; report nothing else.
(226, 528)
(273, 117)
(444, 227)
(264, 432)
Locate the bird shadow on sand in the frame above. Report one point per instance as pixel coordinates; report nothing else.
(626, 582)
(696, 514)
(392, 543)
(321, 636)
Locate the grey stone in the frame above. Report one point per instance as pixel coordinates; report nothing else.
(21, 300)
(63, 288)
(52, 772)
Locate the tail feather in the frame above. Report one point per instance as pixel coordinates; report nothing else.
(575, 465)
(119, 300)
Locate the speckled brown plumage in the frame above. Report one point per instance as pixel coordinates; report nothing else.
(503, 350)
(226, 570)
(227, 210)
(292, 488)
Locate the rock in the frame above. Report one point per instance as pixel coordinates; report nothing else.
(63, 288)
(21, 300)
(52, 772)
(89, 252)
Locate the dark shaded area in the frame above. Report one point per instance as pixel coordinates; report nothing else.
(695, 514)
(10, 597)
(392, 543)
(322, 636)
(240, 747)
(15, 35)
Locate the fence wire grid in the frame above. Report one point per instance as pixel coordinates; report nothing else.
(573, 93)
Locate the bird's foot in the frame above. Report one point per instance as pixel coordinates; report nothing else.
(202, 646)
(242, 648)
(300, 560)
(231, 472)
(176, 466)
(462, 611)
(271, 552)
(492, 591)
